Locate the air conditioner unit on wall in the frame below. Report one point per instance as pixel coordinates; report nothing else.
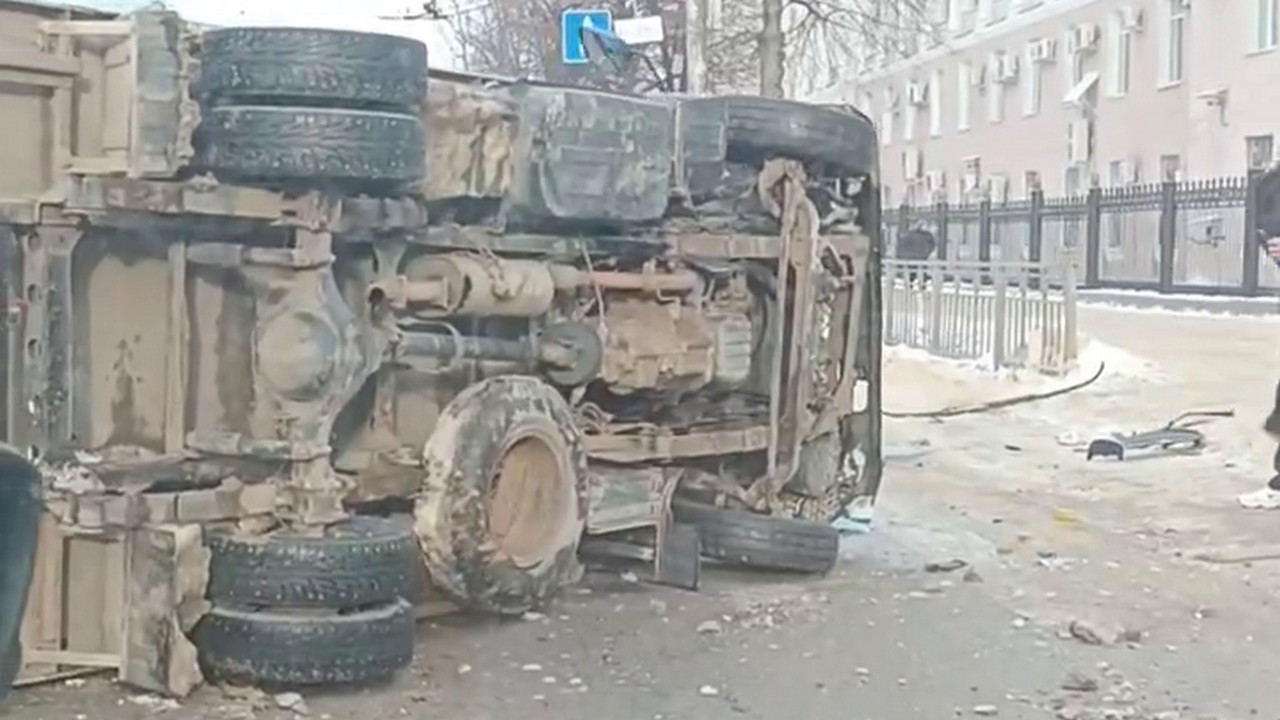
(1133, 18)
(917, 93)
(935, 181)
(978, 76)
(1082, 38)
(1008, 68)
(1043, 51)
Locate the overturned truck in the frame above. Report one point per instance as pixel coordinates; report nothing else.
(300, 335)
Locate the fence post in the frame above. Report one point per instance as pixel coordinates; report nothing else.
(941, 216)
(1070, 318)
(984, 229)
(1000, 328)
(1251, 275)
(1035, 228)
(1093, 238)
(1168, 232)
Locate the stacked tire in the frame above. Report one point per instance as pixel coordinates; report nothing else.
(833, 142)
(304, 109)
(293, 609)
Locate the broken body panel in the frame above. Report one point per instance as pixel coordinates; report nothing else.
(181, 353)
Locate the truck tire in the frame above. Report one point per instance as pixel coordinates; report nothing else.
(702, 129)
(296, 66)
(365, 561)
(358, 148)
(762, 541)
(504, 501)
(278, 648)
(20, 509)
(839, 142)
(10, 664)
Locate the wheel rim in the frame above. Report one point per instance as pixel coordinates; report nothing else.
(532, 494)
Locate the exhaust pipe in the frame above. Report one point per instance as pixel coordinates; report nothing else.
(19, 518)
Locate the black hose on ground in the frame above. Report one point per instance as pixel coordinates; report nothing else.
(1002, 403)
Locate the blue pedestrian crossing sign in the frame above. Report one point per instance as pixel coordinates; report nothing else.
(572, 49)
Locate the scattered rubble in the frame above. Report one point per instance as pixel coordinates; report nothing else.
(291, 701)
(945, 566)
(1091, 633)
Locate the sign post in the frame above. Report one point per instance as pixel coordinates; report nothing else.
(572, 49)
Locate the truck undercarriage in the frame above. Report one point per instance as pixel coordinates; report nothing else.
(306, 347)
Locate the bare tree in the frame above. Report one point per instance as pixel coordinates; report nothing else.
(821, 41)
(768, 46)
(521, 38)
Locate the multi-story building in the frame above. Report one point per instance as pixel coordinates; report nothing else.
(1064, 93)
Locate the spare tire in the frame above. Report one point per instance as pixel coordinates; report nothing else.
(504, 502)
(278, 144)
(19, 519)
(269, 647)
(762, 541)
(299, 66)
(838, 142)
(364, 561)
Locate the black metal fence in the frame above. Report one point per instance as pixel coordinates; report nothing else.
(1175, 237)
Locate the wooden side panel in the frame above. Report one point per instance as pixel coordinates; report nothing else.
(75, 606)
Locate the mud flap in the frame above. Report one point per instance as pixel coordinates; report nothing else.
(19, 517)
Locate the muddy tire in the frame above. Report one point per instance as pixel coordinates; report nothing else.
(10, 664)
(278, 648)
(293, 66)
(762, 541)
(365, 561)
(504, 500)
(280, 144)
(839, 142)
(19, 519)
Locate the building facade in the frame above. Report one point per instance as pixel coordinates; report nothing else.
(1066, 93)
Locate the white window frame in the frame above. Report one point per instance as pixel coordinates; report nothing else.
(999, 11)
(1033, 91)
(910, 115)
(1119, 57)
(1072, 63)
(935, 103)
(995, 89)
(964, 100)
(886, 117)
(1264, 25)
(1173, 61)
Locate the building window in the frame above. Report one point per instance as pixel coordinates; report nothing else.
(1030, 182)
(999, 10)
(1260, 151)
(1171, 65)
(1170, 168)
(935, 104)
(1120, 57)
(1033, 92)
(1072, 64)
(886, 118)
(995, 89)
(1266, 31)
(964, 96)
(910, 114)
